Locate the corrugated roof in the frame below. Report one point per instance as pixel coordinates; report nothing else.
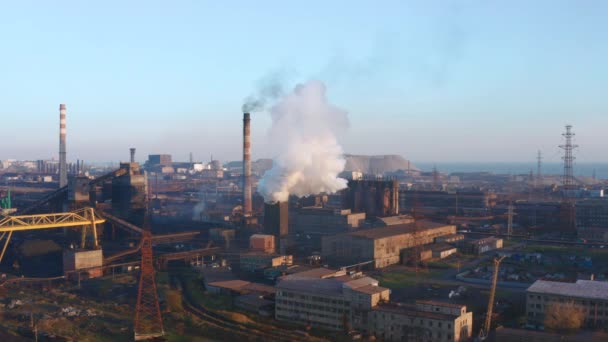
(582, 288)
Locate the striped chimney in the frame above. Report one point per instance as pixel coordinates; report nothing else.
(63, 167)
(246, 164)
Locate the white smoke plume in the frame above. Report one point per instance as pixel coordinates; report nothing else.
(308, 156)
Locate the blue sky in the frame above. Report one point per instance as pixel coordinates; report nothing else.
(430, 80)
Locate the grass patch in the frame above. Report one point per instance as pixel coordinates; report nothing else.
(397, 280)
(174, 301)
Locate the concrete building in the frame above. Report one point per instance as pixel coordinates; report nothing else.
(129, 193)
(253, 261)
(78, 189)
(374, 197)
(276, 222)
(262, 243)
(382, 245)
(452, 238)
(591, 296)
(592, 219)
(441, 251)
(422, 321)
(311, 224)
(159, 159)
(448, 203)
(82, 262)
(481, 246)
(328, 303)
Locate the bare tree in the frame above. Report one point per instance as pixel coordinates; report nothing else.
(564, 317)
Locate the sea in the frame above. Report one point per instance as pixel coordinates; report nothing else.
(579, 169)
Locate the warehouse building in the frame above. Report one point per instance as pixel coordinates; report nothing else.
(311, 224)
(481, 246)
(383, 245)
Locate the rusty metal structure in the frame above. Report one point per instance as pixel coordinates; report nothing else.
(375, 197)
(63, 167)
(247, 164)
(84, 217)
(148, 320)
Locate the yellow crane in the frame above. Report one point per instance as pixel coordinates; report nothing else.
(485, 329)
(83, 217)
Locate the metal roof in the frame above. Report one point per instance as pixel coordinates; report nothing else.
(581, 289)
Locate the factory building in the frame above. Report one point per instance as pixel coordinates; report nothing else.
(382, 245)
(475, 203)
(262, 243)
(374, 197)
(276, 222)
(311, 224)
(591, 296)
(481, 246)
(328, 301)
(254, 261)
(159, 160)
(129, 193)
(592, 219)
(82, 262)
(78, 190)
(422, 321)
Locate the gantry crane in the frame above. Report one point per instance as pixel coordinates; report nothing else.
(80, 218)
(485, 329)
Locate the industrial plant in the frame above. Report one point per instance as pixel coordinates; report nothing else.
(303, 171)
(355, 262)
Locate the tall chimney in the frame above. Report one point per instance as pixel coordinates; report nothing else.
(63, 167)
(132, 149)
(246, 164)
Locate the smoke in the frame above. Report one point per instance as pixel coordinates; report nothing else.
(309, 158)
(268, 89)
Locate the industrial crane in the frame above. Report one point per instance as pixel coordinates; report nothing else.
(485, 329)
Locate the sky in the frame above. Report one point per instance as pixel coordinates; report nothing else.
(434, 81)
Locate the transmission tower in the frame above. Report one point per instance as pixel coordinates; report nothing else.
(148, 321)
(539, 160)
(568, 147)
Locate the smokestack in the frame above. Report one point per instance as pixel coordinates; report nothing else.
(246, 164)
(63, 167)
(132, 149)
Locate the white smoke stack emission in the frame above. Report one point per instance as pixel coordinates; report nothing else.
(308, 155)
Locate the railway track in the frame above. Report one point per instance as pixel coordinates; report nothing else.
(249, 332)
